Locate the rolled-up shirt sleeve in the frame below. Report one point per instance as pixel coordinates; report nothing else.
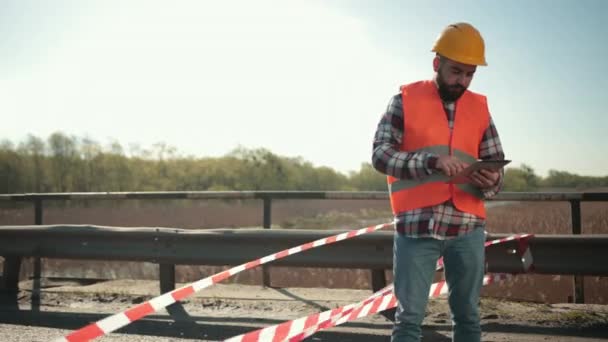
(387, 157)
(490, 148)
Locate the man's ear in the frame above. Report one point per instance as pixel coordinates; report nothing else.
(436, 64)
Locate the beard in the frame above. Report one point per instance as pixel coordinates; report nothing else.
(449, 93)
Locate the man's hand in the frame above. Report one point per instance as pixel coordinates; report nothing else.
(450, 165)
(484, 178)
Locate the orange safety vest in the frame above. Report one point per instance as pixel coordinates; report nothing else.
(426, 129)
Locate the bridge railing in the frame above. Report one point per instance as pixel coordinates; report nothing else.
(38, 200)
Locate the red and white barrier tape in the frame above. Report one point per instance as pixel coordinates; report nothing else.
(382, 303)
(437, 289)
(377, 302)
(282, 331)
(119, 320)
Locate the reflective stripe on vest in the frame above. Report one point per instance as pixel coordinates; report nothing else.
(402, 184)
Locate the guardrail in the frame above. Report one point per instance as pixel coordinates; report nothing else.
(574, 198)
(553, 254)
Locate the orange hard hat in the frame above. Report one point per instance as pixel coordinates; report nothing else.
(461, 42)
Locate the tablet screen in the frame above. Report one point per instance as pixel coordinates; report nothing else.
(463, 176)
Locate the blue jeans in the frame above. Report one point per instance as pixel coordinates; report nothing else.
(414, 262)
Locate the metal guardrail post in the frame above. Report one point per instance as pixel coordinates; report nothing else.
(266, 225)
(579, 281)
(167, 277)
(378, 283)
(37, 261)
(378, 279)
(10, 274)
(38, 211)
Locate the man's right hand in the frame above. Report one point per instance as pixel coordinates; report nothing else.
(450, 165)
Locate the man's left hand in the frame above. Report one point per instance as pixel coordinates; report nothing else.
(484, 178)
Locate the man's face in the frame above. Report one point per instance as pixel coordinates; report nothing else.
(453, 78)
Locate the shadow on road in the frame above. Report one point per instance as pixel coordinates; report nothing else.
(600, 331)
(208, 328)
(291, 295)
(220, 328)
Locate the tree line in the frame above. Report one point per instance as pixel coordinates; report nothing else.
(63, 163)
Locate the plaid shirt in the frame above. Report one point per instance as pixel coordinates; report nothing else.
(441, 221)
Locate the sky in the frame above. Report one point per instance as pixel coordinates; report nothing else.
(306, 79)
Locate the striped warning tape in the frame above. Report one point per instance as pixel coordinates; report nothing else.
(379, 304)
(389, 301)
(282, 331)
(286, 330)
(119, 320)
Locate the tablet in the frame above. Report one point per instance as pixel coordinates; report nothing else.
(463, 176)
